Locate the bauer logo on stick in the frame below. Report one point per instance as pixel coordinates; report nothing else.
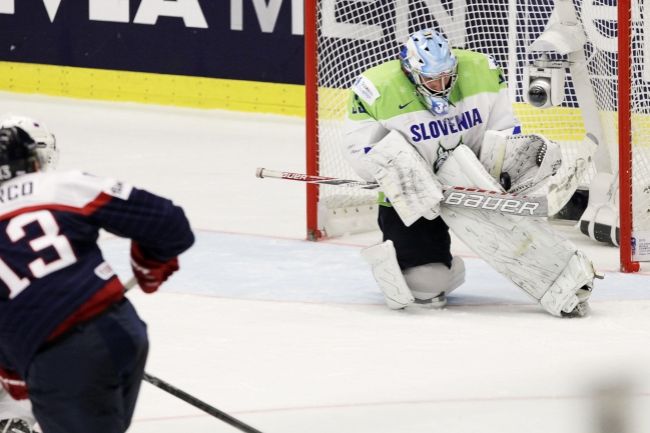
(297, 176)
(500, 204)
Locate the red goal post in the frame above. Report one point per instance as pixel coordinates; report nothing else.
(606, 90)
(625, 71)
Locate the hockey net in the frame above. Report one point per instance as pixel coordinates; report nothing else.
(344, 37)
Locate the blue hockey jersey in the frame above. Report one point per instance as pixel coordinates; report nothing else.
(50, 263)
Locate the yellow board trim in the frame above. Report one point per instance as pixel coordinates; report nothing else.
(557, 123)
(149, 88)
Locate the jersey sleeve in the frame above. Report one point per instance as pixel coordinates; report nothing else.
(361, 129)
(158, 225)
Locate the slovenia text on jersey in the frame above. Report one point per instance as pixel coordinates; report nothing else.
(448, 125)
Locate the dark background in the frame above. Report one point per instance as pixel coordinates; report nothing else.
(167, 47)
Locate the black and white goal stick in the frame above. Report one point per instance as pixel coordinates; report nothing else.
(187, 398)
(476, 198)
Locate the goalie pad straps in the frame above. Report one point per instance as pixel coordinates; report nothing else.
(388, 275)
(405, 178)
(527, 251)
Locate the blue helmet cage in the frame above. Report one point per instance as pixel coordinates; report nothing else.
(425, 55)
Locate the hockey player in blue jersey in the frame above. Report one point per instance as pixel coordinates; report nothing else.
(16, 415)
(69, 339)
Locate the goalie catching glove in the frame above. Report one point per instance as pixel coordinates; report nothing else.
(521, 163)
(149, 272)
(405, 178)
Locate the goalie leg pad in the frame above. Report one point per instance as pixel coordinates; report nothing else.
(432, 282)
(405, 178)
(600, 221)
(388, 275)
(568, 290)
(527, 251)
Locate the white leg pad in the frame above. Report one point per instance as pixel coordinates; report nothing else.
(525, 250)
(562, 296)
(434, 279)
(387, 273)
(600, 220)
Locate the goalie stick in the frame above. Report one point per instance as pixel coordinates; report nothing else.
(468, 197)
(187, 398)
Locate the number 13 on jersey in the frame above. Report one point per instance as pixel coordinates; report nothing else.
(38, 267)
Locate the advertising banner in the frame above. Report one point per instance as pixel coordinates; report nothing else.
(255, 40)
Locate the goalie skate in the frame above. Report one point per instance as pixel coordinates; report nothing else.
(583, 308)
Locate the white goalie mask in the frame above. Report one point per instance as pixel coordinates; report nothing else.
(46, 148)
(430, 64)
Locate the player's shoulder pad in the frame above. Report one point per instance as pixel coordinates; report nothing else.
(474, 65)
(365, 89)
(83, 181)
(380, 81)
(475, 58)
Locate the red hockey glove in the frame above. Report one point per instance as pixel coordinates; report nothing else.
(150, 273)
(13, 384)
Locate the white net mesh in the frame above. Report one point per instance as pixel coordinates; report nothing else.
(356, 35)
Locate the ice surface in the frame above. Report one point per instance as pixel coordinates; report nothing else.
(292, 336)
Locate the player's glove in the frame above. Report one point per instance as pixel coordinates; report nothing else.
(13, 384)
(150, 273)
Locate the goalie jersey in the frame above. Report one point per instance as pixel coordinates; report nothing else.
(52, 272)
(384, 99)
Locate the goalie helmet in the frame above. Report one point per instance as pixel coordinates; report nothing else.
(429, 63)
(18, 154)
(44, 139)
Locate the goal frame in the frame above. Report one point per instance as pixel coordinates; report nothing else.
(311, 116)
(624, 16)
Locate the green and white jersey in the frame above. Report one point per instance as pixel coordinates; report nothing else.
(384, 99)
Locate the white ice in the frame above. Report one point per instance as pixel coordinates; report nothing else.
(292, 336)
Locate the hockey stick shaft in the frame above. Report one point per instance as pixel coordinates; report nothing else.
(467, 197)
(211, 410)
(187, 398)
